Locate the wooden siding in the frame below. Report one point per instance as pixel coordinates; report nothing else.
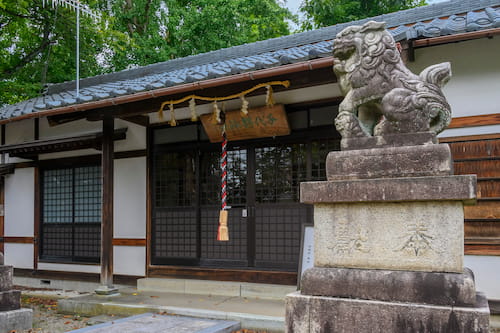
(481, 156)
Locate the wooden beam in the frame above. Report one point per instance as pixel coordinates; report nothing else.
(73, 276)
(129, 242)
(107, 204)
(65, 118)
(482, 249)
(18, 240)
(139, 120)
(255, 276)
(472, 121)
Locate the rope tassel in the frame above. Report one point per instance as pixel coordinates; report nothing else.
(223, 231)
(269, 96)
(173, 122)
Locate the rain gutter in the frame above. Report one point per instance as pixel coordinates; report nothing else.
(456, 38)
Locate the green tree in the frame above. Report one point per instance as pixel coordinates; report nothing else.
(322, 13)
(37, 43)
(167, 29)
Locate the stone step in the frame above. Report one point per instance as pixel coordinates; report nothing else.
(149, 322)
(256, 314)
(219, 288)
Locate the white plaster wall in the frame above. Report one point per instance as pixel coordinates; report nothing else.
(73, 128)
(289, 96)
(486, 272)
(129, 260)
(69, 267)
(18, 132)
(130, 198)
(20, 203)
(19, 255)
(475, 85)
(71, 153)
(136, 136)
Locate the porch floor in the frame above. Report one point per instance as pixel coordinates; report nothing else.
(252, 313)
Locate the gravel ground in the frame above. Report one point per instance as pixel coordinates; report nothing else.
(47, 320)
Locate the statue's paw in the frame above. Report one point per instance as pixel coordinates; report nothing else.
(348, 125)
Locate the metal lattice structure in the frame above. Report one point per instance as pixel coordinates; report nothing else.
(85, 10)
(76, 6)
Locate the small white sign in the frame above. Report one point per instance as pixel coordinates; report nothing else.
(307, 250)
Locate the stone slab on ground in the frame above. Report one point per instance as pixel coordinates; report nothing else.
(155, 323)
(15, 320)
(389, 285)
(257, 314)
(315, 314)
(415, 236)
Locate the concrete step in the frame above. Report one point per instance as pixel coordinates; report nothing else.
(218, 288)
(256, 314)
(152, 323)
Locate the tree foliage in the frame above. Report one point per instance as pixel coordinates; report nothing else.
(322, 13)
(37, 44)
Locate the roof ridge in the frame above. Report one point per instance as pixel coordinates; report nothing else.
(284, 42)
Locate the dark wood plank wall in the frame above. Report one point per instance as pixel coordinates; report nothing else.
(481, 156)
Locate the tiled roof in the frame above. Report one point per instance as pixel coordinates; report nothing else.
(446, 18)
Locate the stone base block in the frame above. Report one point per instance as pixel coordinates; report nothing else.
(408, 161)
(16, 320)
(10, 300)
(452, 289)
(6, 273)
(409, 236)
(107, 291)
(315, 314)
(389, 140)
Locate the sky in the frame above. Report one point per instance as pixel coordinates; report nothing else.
(294, 5)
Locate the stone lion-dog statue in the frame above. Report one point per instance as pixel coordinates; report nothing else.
(382, 96)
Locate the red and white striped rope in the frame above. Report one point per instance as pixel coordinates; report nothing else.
(223, 165)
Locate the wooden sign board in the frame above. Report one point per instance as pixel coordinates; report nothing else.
(260, 122)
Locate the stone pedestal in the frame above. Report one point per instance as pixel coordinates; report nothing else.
(388, 253)
(12, 317)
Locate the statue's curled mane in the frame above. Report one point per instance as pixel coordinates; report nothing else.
(381, 95)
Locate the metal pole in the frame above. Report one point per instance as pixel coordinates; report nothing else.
(77, 49)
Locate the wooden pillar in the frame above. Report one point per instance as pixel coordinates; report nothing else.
(107, 208)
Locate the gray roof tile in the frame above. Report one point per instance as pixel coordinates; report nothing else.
(458, 16)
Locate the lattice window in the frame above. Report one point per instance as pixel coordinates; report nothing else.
(71, 214)
(278, 230)
(235, 248)
(319, 151)
(279, 171)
